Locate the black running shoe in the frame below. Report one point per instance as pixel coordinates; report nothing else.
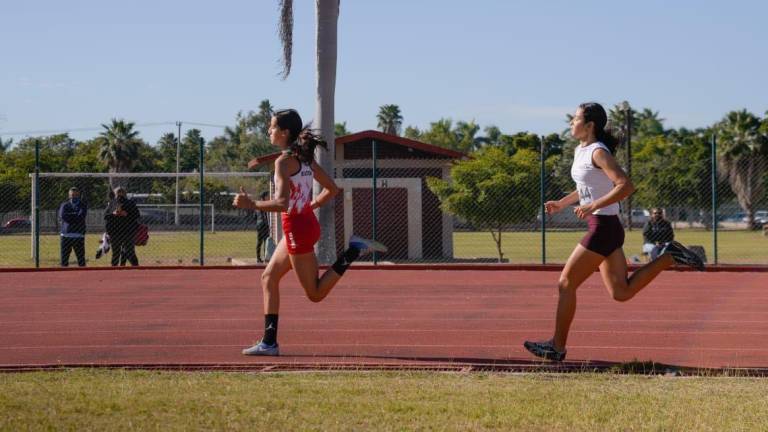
(683, 255)
(545, 350)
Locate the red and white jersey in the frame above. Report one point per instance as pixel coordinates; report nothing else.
(300, 199)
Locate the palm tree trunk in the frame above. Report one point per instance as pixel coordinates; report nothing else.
(327, 12)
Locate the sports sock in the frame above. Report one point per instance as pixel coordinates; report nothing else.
(348, 257)
(270, 329)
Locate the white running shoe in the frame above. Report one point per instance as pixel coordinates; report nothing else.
(366, 245)
(262, 349)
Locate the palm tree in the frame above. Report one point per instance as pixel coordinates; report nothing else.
(340, 129)
(327, 13)
(743, 152)
(390, 119)
(466, 136)
(649, 123)
(167, 146)
(5, 145)
(119, 148)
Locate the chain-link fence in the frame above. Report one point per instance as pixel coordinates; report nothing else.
(426, 203)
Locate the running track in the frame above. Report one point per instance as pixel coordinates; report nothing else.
(374, 319)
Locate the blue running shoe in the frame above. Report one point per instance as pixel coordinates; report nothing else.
(545, 350)
(366, 245)
(262, 349)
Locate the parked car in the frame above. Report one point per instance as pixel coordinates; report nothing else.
(735, 217)
(640, 217)
(761, 218)
(17, 225)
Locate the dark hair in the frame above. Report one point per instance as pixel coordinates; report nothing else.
(595, 113)
(301, 138)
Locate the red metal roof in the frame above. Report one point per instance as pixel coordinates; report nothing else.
(372, 134)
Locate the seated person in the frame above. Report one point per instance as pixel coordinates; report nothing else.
(656, 233)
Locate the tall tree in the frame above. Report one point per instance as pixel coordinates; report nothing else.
(167, 146)
(412, 132)
(440, 133)
(743, 157)
(340, 129)
(119, 148)
(466, 136)
(492, 136)
(390, 119)
(649, 124)
(481, 189)
(327, 15)
(190, 150)
(5, 144)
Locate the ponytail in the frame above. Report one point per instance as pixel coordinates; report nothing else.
(302, 140)
(595, 113)
(304, 147)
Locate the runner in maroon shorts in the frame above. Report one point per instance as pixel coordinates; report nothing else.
(295, 171)
(600, 185)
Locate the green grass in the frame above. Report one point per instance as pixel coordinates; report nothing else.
(135, 400)
(182, 248)
(734, 247)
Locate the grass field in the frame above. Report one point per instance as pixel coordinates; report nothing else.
(136, 400)
(182, 248)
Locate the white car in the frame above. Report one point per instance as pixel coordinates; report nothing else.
(761, 217)
(640, 216)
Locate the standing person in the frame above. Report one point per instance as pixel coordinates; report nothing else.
(262, 229)
(122, 221)
(657, 232)
(104, 244)
(72, 213)
(600, 185)
(295, 169)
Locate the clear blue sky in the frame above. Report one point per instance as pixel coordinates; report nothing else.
(520, 65)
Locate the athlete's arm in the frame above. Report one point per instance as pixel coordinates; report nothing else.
(570, 199)
(330, 189)
(280, 203)
(622, 185)
(552, 207)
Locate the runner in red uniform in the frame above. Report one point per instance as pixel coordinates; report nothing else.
(295, 171)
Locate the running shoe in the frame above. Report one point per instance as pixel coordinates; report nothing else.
(683, 255)
(366, 245)
(545, 350)
(262, 349)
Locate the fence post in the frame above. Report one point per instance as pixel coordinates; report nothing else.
(202, 203)
(542, 188)
(36, 199)
(714, 195)
(373, 204)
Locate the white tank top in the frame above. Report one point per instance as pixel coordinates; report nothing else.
(300, 198)
(591, 181)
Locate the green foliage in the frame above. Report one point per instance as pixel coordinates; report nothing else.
(119, 145)
(390, 119)
(340, 129)
(412, 132)
(482, 188)
(743, 158)
(442, 133)
(190, 150)
(166, 146)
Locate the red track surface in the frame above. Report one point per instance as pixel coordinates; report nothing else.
(408, 319)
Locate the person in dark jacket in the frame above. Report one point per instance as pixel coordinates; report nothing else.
(122, 221)
(262, 230)
(72, 213)
(657, 232)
